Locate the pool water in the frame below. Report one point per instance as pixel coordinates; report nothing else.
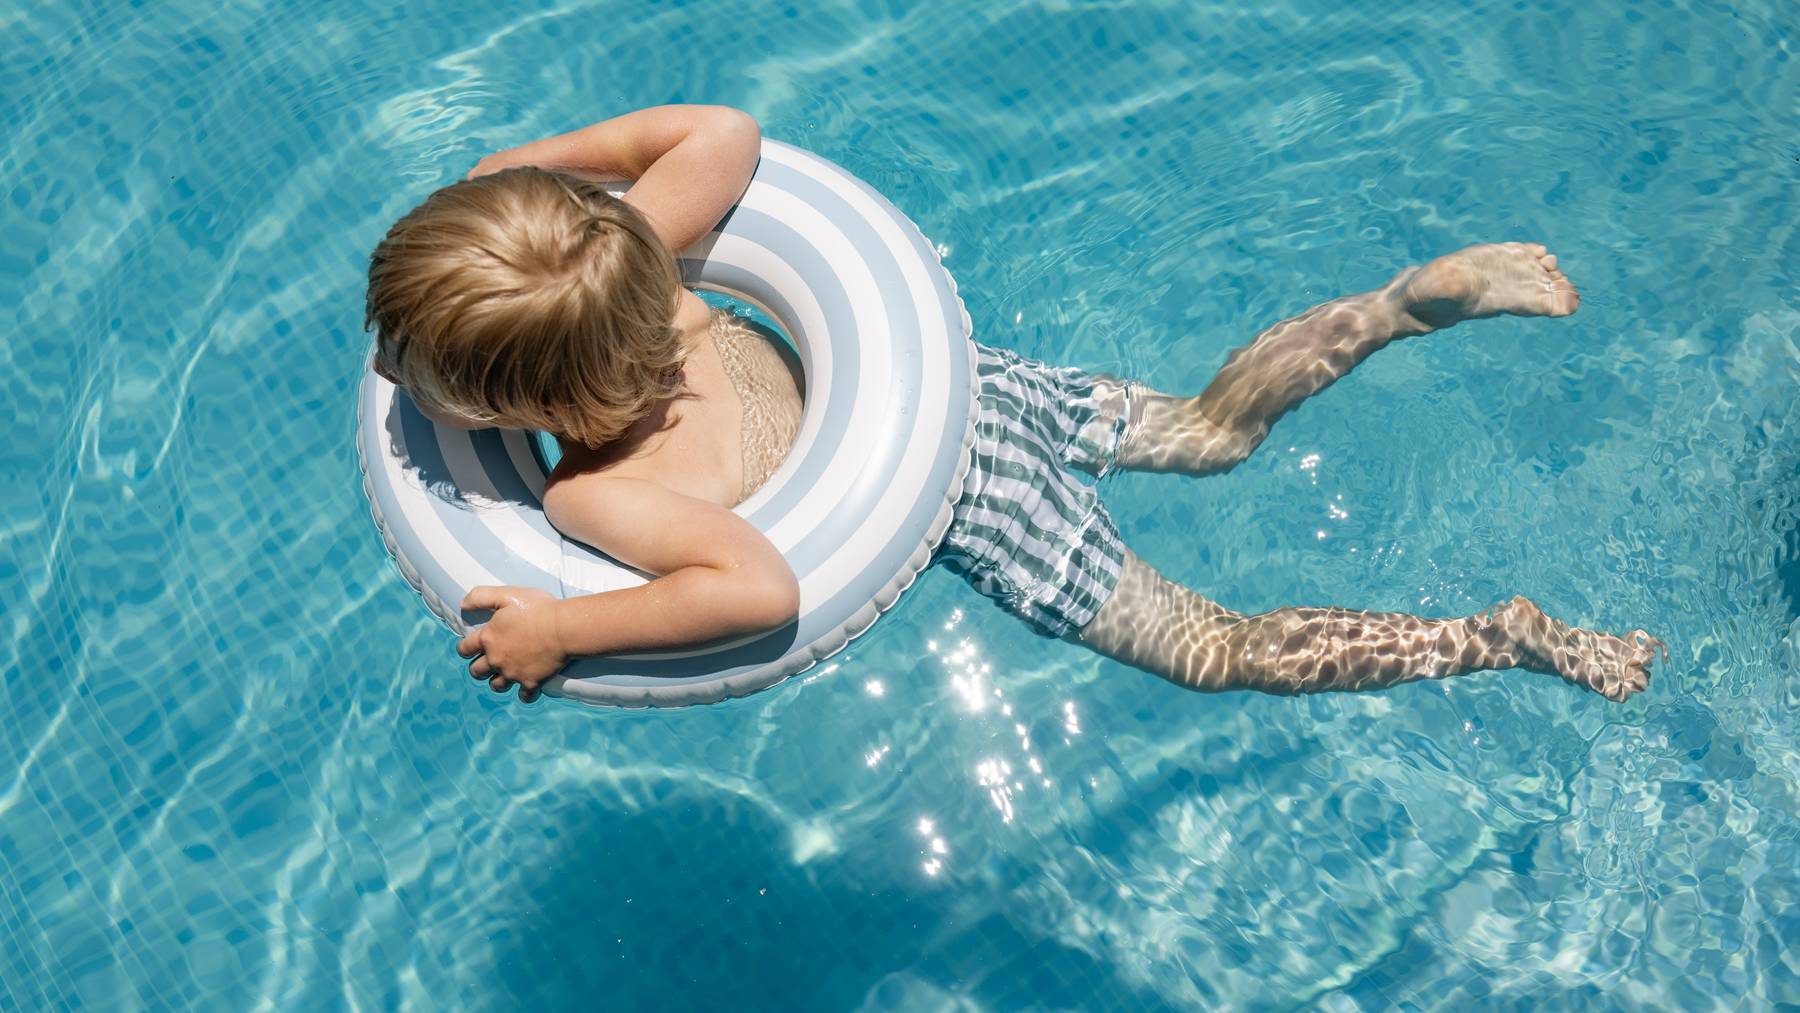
(240, 766)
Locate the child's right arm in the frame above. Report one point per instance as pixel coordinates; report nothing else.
(716, 576)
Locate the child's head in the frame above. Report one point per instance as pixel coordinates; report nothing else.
(529, 299)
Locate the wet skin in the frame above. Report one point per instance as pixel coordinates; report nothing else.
(1157, 625)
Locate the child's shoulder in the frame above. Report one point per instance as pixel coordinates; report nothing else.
(587, 476)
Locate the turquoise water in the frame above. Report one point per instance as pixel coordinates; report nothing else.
(240, 765)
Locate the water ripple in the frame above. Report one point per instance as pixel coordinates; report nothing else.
(246, 771)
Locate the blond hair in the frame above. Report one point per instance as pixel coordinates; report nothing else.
(530, 297)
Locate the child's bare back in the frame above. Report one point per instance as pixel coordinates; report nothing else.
(718, 441)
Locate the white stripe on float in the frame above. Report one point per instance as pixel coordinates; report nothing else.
(583, 573)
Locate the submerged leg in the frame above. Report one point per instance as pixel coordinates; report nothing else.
(1166, 629)
(1297, 358)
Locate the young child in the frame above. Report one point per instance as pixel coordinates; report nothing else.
(526, 296)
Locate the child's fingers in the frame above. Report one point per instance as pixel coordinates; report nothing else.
(486, 598)
(470, 645)
(527, 694)
(480, 668)
(500, 683)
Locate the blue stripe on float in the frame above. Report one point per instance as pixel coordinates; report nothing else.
(497, 462)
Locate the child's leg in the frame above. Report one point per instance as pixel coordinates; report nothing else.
(1166, 629)
(1297, 358)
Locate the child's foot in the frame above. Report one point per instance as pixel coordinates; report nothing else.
(1486, 281)
(1612, 667)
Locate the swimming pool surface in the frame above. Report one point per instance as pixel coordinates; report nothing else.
(240, 766)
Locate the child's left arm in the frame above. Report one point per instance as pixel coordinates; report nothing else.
(690, 162)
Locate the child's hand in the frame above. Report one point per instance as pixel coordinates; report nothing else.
(519, 645)
(690, 163)
(489, 163)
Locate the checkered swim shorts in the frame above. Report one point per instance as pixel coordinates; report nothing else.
(1027, 532)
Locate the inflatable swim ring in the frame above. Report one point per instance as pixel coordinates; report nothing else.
(857, 507)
